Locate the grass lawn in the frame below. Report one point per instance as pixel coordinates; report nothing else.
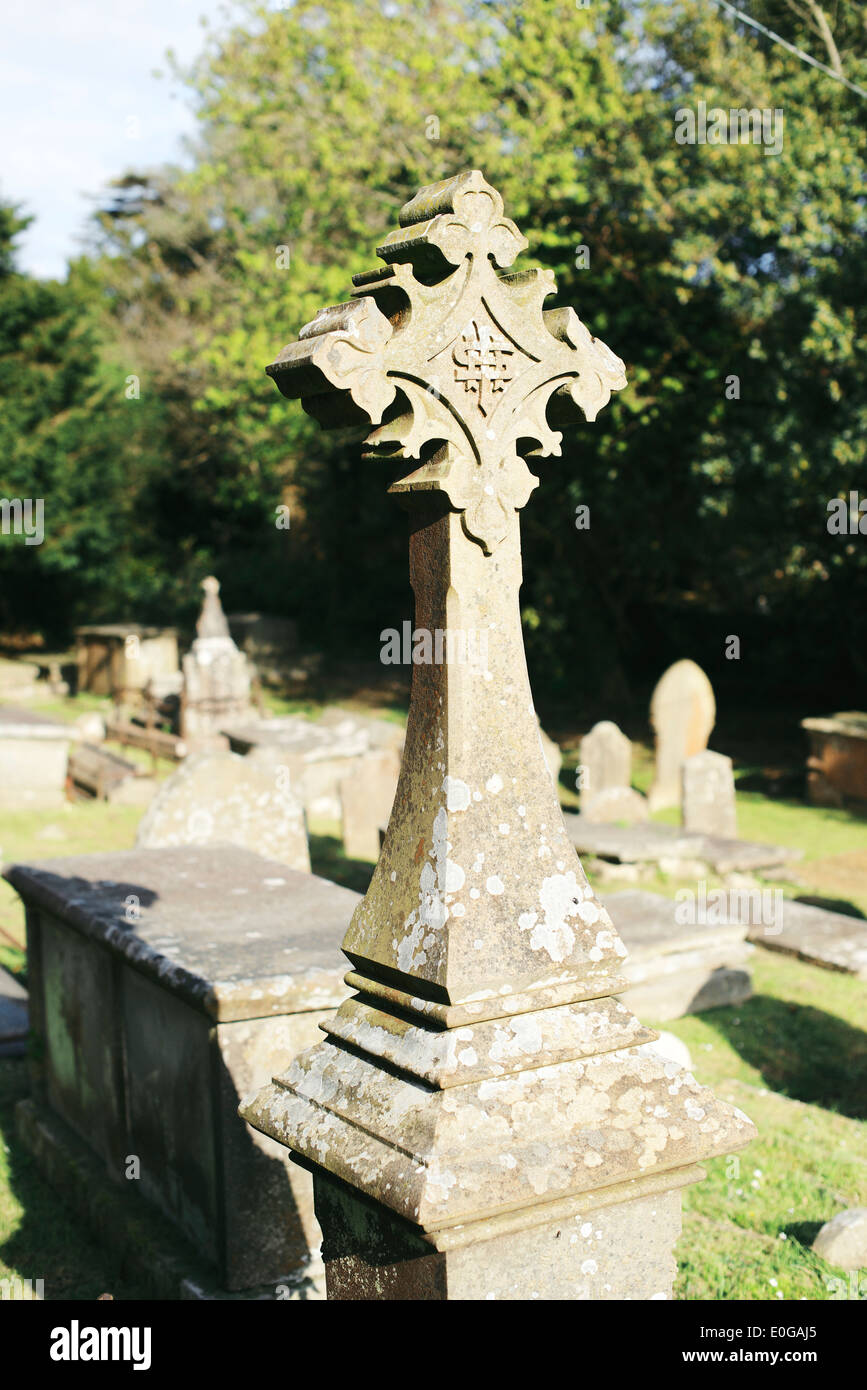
(794, 1057)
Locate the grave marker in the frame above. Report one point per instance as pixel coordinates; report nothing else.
(682, 712)
(481, 1093)
(221, 799)
(217, 677)
(606, 757)
(709, 795)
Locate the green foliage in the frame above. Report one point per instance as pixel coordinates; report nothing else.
(708, 515)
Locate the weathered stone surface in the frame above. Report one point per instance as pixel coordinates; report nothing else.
(837, 765)
(381, 733)
(89, 728)
(660, 844)
(163, 984)
(223, 799)
(682, 712)
(709, 795)
(614, 805)
(217, 677)
(18, 681)
(155, 1255)
(652, 926)
(606, 761)
(672, 996)
(33, 758)
(594, 1248)
(842, 1241)
(832, 939)
(366, 799)
(311, 757)
(120, 659)
(485, 1076)
(211, 923)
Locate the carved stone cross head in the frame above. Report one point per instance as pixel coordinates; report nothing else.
(454, 365)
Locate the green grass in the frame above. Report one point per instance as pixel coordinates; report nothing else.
(817, 830)
(794, 1057)
(82, 827)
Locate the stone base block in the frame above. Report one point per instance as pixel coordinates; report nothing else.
(590, 1248)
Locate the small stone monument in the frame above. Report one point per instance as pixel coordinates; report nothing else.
(606, 776)
(682, 712)
(837, 765)
(709, 795)
(217, 677)
(616, 805)
(478, 1121)
(33, 759)
(366, 799)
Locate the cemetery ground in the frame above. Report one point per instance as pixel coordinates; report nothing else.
(794, 1056)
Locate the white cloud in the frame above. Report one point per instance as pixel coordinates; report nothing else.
(79, 104)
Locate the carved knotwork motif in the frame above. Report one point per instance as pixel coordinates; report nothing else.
(482, 362)
(453, 364)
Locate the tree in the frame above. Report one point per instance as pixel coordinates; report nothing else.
(700, 263)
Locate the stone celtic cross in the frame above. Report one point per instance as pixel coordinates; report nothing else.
(454, 364)
(481, 1090)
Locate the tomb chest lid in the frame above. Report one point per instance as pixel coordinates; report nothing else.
(234, 934)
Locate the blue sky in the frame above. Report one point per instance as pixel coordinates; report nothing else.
(79, 104)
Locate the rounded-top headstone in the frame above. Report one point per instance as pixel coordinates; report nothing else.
(606, 760)
(221, 798)
(682, 712)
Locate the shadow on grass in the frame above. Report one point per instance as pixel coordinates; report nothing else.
(848, 909)
(804, 1232)
(329, 861)
(801, 1052)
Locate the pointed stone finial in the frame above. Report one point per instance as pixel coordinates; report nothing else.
(483, 1091)
(212, 619)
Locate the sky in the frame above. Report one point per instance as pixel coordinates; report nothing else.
(79, 103)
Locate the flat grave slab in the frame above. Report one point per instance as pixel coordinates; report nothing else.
(316, 755)
(632, 844)
(831, 939)
(676, 968)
